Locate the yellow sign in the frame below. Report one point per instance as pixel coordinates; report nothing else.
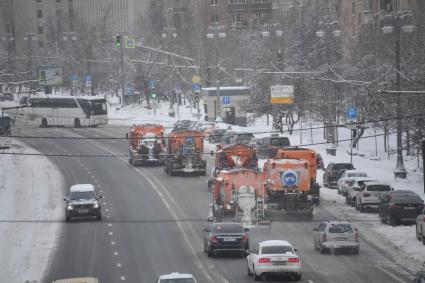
(282, 100)
(196, 79)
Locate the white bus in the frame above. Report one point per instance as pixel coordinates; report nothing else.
(75, 111)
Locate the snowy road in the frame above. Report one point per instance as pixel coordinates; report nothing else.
(142, 239)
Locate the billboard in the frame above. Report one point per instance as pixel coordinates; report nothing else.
(50, 76)
(282, 94)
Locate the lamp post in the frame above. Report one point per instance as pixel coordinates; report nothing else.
(214, 33)
(171, 33)
(398, 22)
(69, 36)
(8, 42)
(29, 37)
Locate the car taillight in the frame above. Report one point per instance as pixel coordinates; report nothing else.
(293, 259)
(264, 259)
(324, 237)
(245, 238)
(213, 239)
(366, 195)
(395, 206)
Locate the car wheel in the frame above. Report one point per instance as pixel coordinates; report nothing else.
(210, 253)
(324, 182)
(357, 206)
(322, 250)
(297, 277)
(99, 216)
(256, 277)
(390, 220)
(67, 219)
(361, 208)
(249, 273)
(382, 217)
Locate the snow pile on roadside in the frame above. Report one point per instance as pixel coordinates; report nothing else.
(30, 217)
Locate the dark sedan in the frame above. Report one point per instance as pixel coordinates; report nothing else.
(400, 207)
(225, 237)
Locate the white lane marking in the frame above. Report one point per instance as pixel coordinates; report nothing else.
(115, 253)
(119, 264)
(96, 182)
(310, 281)
(172, 212)
(106, 209)
(113, 243)
(122, 278)
(390, 274)
(111, 233)
(104, 203)
(88, 172)
(108, 216)
(100, 191)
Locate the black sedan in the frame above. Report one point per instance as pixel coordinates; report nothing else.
(400, 207)
(225, 237)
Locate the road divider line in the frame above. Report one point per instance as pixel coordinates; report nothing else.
(166, 203)
(390, 274)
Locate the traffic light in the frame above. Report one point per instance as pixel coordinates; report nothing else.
(118, 41)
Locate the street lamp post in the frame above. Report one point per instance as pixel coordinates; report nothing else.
(214, 33)
(29, 37)
(72, 37)
(171, 33)
(398, 23)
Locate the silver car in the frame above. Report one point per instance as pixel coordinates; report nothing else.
(354, 188)
(331, 236)
(369, 196)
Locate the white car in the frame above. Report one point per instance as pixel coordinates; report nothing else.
(369, 196)
(274, 257)
(347, 177)
(176, 277)
(336, 235)
(355, 187)
(420, 227)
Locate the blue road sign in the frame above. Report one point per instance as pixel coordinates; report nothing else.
(130, 91)
(74, 77)
(351, 112)
(190, 140)
(226, 100)
(289, 178)
(152, 84)
(88, 78)
(196, 87)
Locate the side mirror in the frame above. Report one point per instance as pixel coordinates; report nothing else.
(100, 197)
(126, 136)
(295, 250)
(65, 199)
(316, 229)
(392, 189)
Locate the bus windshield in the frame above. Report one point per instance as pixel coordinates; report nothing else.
(98, 107)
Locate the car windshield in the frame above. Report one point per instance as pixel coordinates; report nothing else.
(276, 250)
(357, 174)
(340, 228)
(343, 166)
(82, 195)
(280, 142)
(228, 228)
(379, 188)
(406, 198)
(178, 280)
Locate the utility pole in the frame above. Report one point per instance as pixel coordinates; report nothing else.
(122, 73)
(423, 160)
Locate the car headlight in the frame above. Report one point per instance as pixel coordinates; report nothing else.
(69, 207)
(96, 204)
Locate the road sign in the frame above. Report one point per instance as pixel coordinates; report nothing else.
(130, 42)
(88, 80)
(74, 78)
(282, 94)
(177, 90)
(226, 100)
(152, 84)
(50, 76)
(130, 91)
(289, 178)
(351, 113)
(196, 87)
(196, 79)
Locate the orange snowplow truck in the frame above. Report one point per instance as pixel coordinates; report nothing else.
(232, 157)
(146, 144)
(308, 155)
(288, 188)
(185, 150)
(235, 195)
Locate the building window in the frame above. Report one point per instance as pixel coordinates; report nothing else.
(353, 4)
(214, 18)
(386, 5)
(40, 30)
(214, 2)
(39, 14)
(360, 18)
(260, 16)
(366, 5)
(237, 1)
(58, 13)
(58, 1)
(38, 1)
(354, 31)
(41, 44)
(236, 17)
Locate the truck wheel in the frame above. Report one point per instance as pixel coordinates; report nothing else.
(297, 277)
(170, 169)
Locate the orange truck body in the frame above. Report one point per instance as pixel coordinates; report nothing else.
(146, 143)
(272, 174)
(185, 149)
(236, 156)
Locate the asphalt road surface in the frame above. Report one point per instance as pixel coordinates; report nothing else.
(153, 223)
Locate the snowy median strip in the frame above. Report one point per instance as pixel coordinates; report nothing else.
(30, 216)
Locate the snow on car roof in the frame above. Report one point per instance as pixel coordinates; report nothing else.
(82, 188)
(275, 243)
(176, 275)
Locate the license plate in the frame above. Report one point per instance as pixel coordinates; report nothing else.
(229, 239)
(279, 262)
(340, 239)
(83, 211)
(409, 207)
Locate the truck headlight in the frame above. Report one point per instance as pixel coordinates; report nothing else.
(69, 207)
(96, 204)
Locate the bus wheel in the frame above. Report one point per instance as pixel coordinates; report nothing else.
(77, 123)
(44, 123)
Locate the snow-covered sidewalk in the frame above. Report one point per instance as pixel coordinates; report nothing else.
(31, 215)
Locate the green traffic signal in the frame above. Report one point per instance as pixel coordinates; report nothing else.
(153, 95)
(118, 41)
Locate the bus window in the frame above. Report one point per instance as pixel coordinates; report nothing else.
(99, 107)
(85, 106)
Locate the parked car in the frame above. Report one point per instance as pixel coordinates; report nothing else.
(420, 226)
(420, 275)
(216, 135)
(369, 197)
(333, 172)
(347, 177)
(355, 187)
(330, 236)
(400, 207)
(82, 201)
(274, 257)
(176, 277)
(225, 237)
(232, 137)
